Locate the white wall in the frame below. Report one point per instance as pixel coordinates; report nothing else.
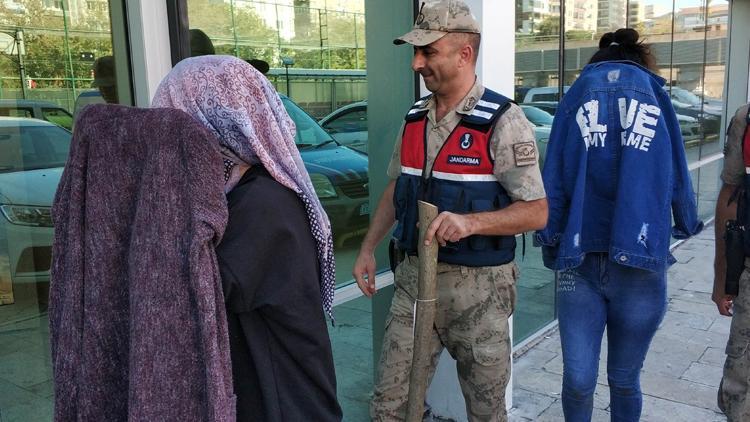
(496, 66)
(496, 70)
(149, 47)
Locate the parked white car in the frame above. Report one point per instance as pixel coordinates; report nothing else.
(43, 110)
(32, 156)
(544, 93)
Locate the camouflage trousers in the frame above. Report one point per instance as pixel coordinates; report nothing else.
(471, 322)
(734, 394)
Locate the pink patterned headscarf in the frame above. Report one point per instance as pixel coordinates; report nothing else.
(241, 107)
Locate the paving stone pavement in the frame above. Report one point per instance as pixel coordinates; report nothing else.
(682, 370)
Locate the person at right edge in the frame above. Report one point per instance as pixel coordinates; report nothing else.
(733, 390)
(471, 152)
(615, 167)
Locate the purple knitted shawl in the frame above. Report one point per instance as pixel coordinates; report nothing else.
(137, 321)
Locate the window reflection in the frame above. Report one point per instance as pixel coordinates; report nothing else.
(688, 79)
(537, 87)
(55, 58)
(717, 21)
(688, 39)
(313, 52)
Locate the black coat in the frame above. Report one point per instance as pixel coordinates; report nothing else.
(281, 353)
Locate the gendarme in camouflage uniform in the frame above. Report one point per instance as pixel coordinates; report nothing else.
(474, 303)
(734, 393)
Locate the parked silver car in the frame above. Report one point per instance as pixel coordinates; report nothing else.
(37, 109)
(32, 156)
(689, 126)
(348, 125)
(339, 176)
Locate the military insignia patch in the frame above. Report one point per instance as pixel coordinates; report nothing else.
(466, 161)
(420, 16)
(470, 103)
(466, 141)
(524, 153)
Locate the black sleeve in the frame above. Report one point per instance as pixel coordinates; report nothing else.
(267, 255)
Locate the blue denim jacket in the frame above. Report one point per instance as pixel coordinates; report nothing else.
(615, 168)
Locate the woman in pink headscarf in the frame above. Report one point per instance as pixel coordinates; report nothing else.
(276, 255)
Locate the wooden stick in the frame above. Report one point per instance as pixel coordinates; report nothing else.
(425, 315)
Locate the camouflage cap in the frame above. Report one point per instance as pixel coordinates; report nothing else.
(437, 19)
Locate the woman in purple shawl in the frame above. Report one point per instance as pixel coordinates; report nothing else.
(276, 255)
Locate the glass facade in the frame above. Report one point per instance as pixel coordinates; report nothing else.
(316, 45)
(689, 40)
(351, 340)
(55, 57)
(314, 53)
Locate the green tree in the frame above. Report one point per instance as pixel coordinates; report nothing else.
(579, 34)
(242, 32)
(236, 29)
(47, 55)
(346, 39)
(94, 18)
(549, 26)
(30, 13)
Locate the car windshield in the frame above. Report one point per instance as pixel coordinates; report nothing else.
(25, 147)
(58, 116)
(309, 132)
(685, 96)
(537, 116)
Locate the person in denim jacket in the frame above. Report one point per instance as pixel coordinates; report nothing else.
(615, 168)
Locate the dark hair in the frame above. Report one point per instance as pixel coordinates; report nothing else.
(471, 38)
(200, 43)
(623, 44)
(261, 65)
(104, 71)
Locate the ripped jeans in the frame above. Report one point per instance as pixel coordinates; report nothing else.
(630, 303)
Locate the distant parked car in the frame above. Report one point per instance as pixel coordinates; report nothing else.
(685, 96)
(544, 93)
(43, 110)
(338, 173)
(542, 122)
(548, 106)
(690, 129)
(32, 156)
(348, 125)
(689, 126)
(689, 104)
(520, 92)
